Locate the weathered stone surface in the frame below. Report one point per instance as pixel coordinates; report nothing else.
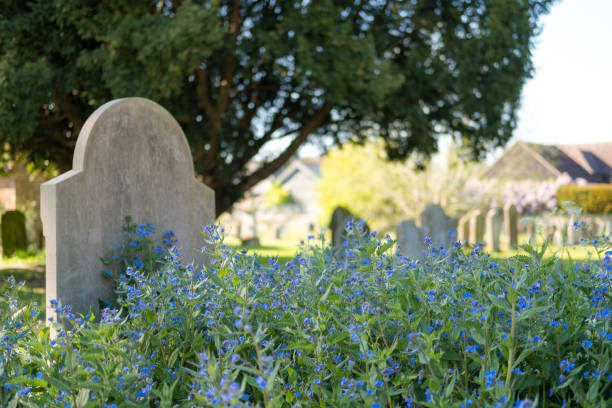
(410, 239)
(477, 228)
(493, 227)
(131, 159)
(510, 226)
(436, 225)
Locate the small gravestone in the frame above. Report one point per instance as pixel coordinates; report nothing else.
(530, 230)
(410, 239)
(493, 227)
(557, 236)
(340, 217)
(463, 229)
(14, 237)
(131, 159)
(571, 232)
(510, 226)
(477, 221)
(436, 225)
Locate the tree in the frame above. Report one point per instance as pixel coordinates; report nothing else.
(238, 74)
(351, 178)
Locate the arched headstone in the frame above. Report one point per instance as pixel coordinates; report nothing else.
(131, 159)
(463, 229)
(339, 218)
(436, 225)
(493, 227)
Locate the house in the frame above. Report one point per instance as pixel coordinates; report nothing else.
(250, 218)
(537, 162)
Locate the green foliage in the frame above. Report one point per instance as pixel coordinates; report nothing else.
(238, 74)
(360, 178)
(357, 326)
(13, 233)
(277, 196)
(592, 198)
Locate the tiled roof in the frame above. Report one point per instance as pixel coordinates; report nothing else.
(592, 162)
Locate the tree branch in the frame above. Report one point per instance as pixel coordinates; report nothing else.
(228, 61)
(269, 168)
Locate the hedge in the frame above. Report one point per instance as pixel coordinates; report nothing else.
(13, 229)
(592, 198)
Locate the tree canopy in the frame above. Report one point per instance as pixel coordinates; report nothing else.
(238, 74)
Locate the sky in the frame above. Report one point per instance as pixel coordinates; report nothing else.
(568, 100)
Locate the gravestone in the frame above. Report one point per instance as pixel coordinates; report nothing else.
(477, 227)
(436, 225)
(410, 239)
(493, 227)
(340, 217)
(530, 230)
(510, 226)
(463, 229)
(14, 236)
(571, 232)
(557, 235)
(131, 159)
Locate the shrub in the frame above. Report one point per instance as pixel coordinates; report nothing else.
(353, 326)
(592, 198)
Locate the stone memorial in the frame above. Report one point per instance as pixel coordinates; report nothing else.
(571, 232)
(493, 227)
(14, 236)
(557, 235)
(463, 229)
(340, 217)
(131, 159)
(410, 239)
(436, 225)
(510, 226)
(477, 227)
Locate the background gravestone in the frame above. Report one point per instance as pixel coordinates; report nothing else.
(131, 159)
(410, 239)
(511, 226)
(477, 227)
(436, 225)
(463, 229)
(493, 227)
(571, 232)
(14, 237)
(339, 218)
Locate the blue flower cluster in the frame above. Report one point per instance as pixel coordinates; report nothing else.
(359, 325)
